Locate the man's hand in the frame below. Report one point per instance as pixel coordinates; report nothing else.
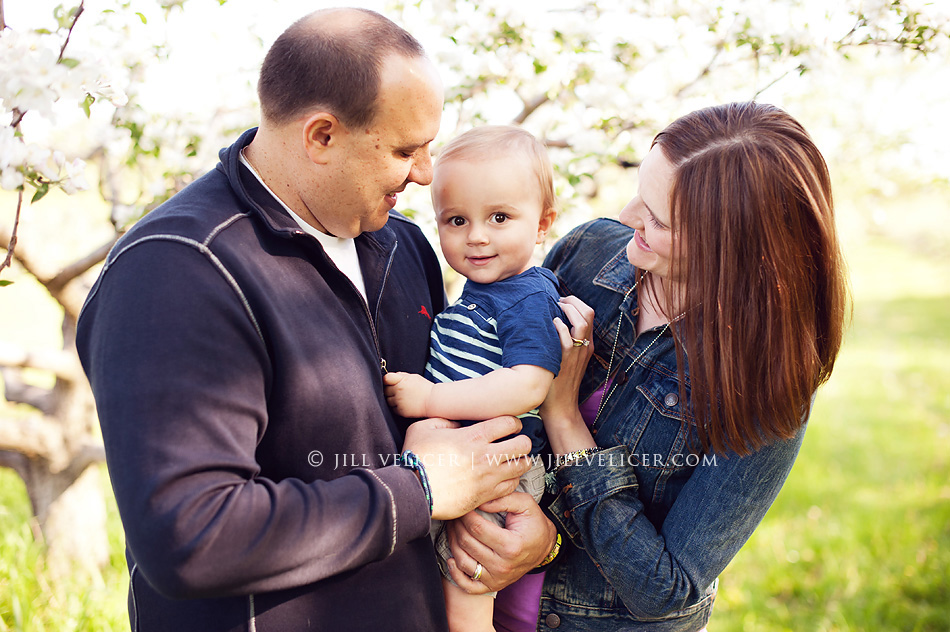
(504, 553)
(407, 393)
(464, 466)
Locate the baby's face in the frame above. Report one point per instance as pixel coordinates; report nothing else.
(490, 216)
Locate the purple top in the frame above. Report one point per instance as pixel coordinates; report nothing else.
(517, 606)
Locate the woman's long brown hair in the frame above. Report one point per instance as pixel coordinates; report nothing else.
(764, 282)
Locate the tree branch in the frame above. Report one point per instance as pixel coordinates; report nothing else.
(78, 267)
(25, 261)
(11, 241)
(17, 391)
(62, 364)
(38, 438)
(703, 73)
(529, 107)
(34, 437)
(88, 454)
(15, 461)
(15, 123)
(79, 10)
(773, 82)
(59, 285)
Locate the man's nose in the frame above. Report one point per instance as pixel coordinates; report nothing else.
(421, 171)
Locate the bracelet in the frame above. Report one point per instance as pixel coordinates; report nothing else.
(562, 460)
(553, 553)
(408, 459)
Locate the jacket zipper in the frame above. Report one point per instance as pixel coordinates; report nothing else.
(374, 318)
(365, 303)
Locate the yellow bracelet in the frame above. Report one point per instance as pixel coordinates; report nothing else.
(576, 455)
(553, 553)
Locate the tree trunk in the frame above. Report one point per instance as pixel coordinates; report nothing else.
(57, 449)
(57, 457)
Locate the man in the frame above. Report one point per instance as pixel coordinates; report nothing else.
(236, 341)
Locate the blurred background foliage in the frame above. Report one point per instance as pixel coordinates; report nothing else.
(143, 94)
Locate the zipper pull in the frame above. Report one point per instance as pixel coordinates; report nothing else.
(382, 365)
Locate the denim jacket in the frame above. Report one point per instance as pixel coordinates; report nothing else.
(651, 521)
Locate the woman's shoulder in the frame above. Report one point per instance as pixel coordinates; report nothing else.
(588, 248)
(602, 227)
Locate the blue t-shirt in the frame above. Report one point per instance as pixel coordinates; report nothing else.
(499, 325)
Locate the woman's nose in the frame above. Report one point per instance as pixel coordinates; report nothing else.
(629, 215)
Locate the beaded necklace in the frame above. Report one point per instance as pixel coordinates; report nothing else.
(605, 394)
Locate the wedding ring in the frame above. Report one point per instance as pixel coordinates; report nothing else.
(580, 343)
(478, 572)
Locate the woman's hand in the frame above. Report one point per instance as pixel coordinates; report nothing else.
(562, 420)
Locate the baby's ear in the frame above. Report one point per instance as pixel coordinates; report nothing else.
(548, 216)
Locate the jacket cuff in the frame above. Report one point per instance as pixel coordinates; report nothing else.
(410, 509)
(589, 479)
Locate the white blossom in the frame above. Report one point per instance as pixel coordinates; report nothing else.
(12, 149)
(75, 177)
(11, 179)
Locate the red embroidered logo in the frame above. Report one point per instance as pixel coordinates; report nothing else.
(424, 312)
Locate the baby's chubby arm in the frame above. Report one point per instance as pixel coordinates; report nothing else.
(507, 391)
(407, 393)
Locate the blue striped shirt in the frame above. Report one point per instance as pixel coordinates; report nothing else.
(499, 325)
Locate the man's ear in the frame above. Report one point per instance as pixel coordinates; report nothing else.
(548, 216)
(320, 132)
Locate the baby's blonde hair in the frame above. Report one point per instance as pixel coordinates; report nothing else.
(490, 141)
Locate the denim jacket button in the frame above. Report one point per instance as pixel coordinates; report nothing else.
(552, 621)
(671, 400)
(472, 306)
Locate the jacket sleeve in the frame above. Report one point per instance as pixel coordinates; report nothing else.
(181, 375)
(660, 571)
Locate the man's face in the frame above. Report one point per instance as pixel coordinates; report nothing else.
(370, 166)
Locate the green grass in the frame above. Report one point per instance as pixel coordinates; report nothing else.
(859, 538)
(33, 601)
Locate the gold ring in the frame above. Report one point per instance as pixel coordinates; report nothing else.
(580, 343)
(478, 572)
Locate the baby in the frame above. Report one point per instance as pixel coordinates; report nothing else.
(495, 351)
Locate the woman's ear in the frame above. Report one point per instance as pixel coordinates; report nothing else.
(548, 216)
(320, 132)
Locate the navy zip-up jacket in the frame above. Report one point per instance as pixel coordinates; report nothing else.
(237, 375)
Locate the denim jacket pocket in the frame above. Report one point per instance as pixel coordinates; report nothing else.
(663, 444)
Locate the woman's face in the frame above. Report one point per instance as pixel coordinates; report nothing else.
(651, 248)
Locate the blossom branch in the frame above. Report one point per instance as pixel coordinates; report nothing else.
(79, 10)
(18, 115)
(529, 107)
(16, 221)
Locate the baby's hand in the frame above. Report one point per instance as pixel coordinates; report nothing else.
(407, 393)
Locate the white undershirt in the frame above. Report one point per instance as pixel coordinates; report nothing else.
(342, 252)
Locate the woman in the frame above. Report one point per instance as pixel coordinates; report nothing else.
(720, 299)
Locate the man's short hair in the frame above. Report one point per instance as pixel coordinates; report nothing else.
(338, 69)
